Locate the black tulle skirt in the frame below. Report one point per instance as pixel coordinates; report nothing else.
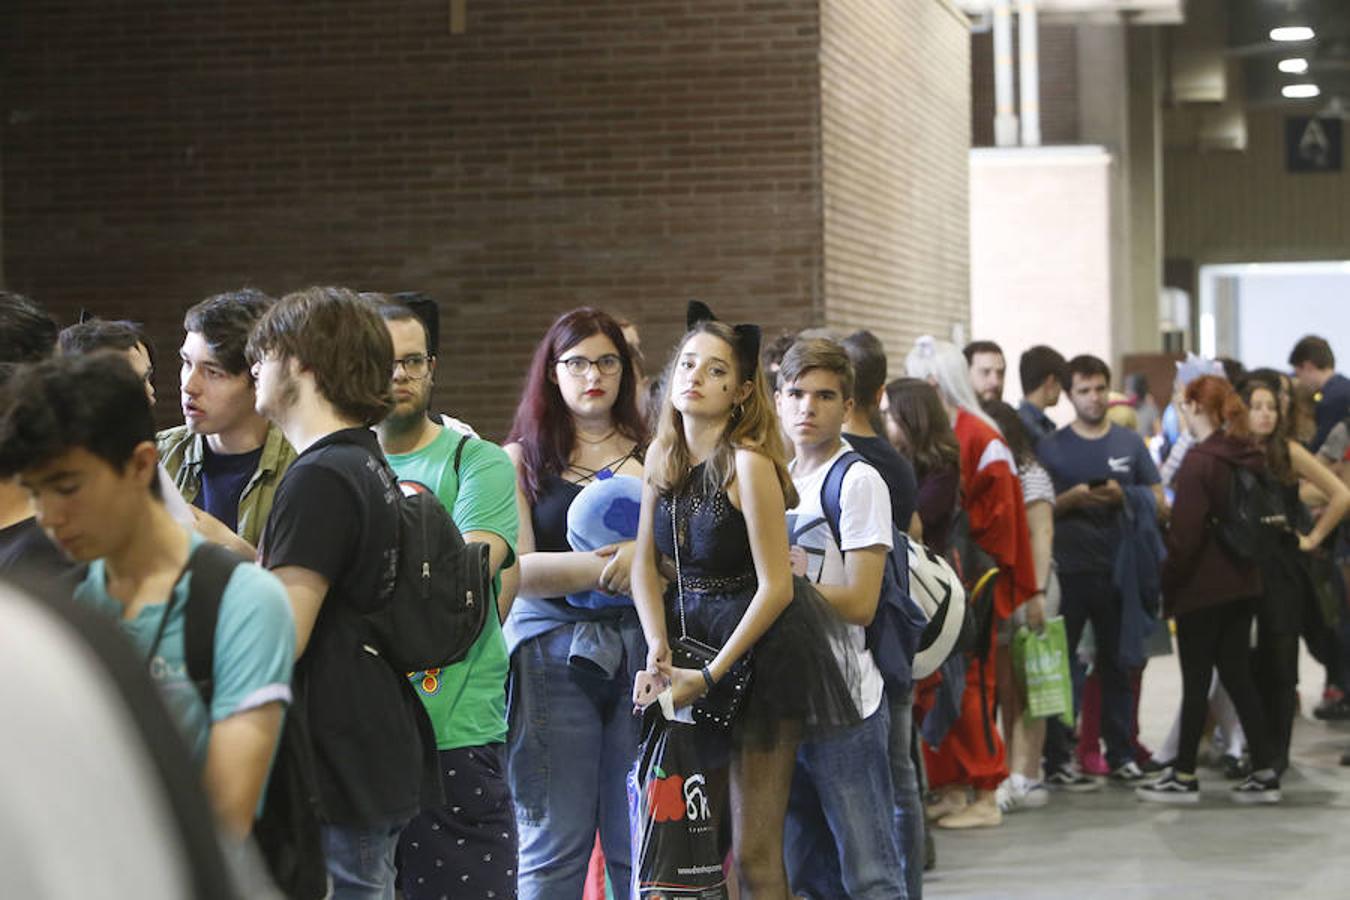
(803, 674)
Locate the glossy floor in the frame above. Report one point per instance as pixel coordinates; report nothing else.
(1109, 844)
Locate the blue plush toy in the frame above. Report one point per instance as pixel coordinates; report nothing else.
(605, 512)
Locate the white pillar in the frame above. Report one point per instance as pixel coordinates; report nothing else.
(1029, 65)
(1005, 116)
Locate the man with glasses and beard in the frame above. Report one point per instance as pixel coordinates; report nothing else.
(467, 846)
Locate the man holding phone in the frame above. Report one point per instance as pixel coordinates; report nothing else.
(1091, 462)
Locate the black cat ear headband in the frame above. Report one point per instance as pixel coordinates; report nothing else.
(748, 337)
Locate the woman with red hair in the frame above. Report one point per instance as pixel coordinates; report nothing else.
(1213, 593)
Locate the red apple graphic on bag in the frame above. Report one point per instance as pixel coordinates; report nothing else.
(665, 796)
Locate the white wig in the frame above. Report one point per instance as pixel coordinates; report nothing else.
(941, 362)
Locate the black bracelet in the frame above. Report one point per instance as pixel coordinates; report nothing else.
(708, 679)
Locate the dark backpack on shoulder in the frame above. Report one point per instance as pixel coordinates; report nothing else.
(441, 592)
(1255, 506)
(287, 833)
(978, 572)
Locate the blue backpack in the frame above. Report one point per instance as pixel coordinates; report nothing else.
(894, 635)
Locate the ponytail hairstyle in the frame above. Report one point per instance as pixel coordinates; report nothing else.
(753, 424)
(1216, 398)
(543, 427)
(941, 362)
(1276, 443)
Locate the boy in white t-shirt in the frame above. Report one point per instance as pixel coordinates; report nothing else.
(841, 839)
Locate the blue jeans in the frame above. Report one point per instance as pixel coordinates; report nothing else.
(840, 838)
(573, 738)
(905, 780)
(360, 860)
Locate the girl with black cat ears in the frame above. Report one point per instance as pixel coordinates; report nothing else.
(714, 519)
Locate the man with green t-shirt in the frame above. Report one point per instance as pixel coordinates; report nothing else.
(466, 848)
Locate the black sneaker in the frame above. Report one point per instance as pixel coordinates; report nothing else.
(1066, 778)
(1127, 774)
(1236, 768)
(1256, 790)
(1170, 789)
(1333, 710)
(1152, 766)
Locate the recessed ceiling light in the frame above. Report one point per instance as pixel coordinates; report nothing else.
(1296, 66)
(1301, 91)
(1292, 33)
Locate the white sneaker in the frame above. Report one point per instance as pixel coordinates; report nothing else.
(1018, 792)
(1035, 796)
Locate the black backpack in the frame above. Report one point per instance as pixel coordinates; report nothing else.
(978, 572)
(287, 833)
(441, 591)
(1255, 505)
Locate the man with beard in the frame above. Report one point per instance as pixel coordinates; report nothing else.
(1092, 462)
(226, 460)
(321, 362)
(467, 846)
(987, 369)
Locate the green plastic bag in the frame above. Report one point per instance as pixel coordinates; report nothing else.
(1041, 666)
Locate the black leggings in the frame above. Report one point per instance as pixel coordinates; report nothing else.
(1275, 669)
(1219, 637)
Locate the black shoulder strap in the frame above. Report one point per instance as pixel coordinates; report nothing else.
(459, 452)
(211, 567)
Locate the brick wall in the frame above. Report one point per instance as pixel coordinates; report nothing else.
(626, 155)
(555, 154)
(895, 97)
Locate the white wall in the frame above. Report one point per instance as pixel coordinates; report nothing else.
(1275, 310)
(1040, 253)
(1256, 312)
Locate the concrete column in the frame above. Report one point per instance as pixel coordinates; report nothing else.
(1145, 175)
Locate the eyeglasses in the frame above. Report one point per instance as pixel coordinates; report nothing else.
(578, 366)
(415, 366)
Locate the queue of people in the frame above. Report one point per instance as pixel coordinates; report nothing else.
(715, 543)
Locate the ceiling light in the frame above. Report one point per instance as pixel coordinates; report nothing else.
(1292, 33)
(1301, 91)
(1296, 66)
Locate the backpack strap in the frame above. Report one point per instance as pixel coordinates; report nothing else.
(832, 489)
(211, 566)
(459, 453)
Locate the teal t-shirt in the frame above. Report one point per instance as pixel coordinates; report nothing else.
(255, 647)
(467, 701)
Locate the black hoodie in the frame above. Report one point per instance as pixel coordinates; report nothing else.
(1198, 572)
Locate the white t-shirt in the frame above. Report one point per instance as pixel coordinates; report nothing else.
(864, 521)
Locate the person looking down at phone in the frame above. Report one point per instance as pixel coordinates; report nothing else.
(1092, 463)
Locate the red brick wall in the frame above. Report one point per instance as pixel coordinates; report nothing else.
(895, 96)
(627, 155)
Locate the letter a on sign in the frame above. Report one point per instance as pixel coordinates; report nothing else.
(1312, 144)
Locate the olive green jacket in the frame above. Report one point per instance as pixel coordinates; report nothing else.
(181, 453)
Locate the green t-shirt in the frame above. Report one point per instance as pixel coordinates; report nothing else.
(467, 702)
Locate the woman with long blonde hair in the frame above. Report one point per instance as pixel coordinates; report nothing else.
(714, 518)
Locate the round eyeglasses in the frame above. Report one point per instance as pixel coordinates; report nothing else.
(578, 366)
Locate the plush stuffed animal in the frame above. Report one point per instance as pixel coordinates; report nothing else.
(605, 512)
